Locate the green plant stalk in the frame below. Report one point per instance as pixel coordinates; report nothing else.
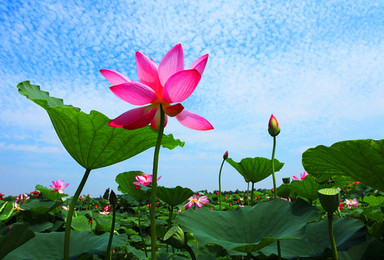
(332, 236)
(221, 167)
(154, 184)
(190, 251)
(274, 189)
(141, 231)
(108, 256)
(68, 224)
(170, 217)
(253, 188)
(248, 192)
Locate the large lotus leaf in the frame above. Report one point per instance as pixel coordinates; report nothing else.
(371, 249)
(51, 245)
(39, 206)
(251, 228)
(174, 196)
(88, 138)
(11, 239)
(358, 160)
(126, 180)
(348, 232)
(255, 169)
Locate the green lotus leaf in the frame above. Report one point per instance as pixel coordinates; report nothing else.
(348, 232)
(357, 160)
(251, 228)
(6, 210)
(39, 206)
(10, 239)
(174, 196)
(126, 180)
(88, 138)
(51, 245)
(255, 169)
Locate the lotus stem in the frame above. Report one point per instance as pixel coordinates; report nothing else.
(221, 167)
(332, 236)
(141, 231)
(68, 224)
(154, 184)
(274, 188)
(190, 251)
(108, 256)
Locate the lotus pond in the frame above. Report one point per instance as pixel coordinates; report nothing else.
(334, 210)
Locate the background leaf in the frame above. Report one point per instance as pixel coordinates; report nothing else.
(359, 160)
(255, 169)
(88, 138)
(11, 239)
(126, 180)
(174, 196)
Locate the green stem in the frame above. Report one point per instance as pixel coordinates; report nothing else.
(170, 216)
(141, 231)
(221, 167)
(108, 256)
(274, 188)
(190, 251)
(253, 188)
(248, 192)
(154, 183)
(68, 224)
(273, 167)
(332, 236)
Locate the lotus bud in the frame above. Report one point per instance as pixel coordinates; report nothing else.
(273, 126)
(225, 156)
(329, 199)
(106, 194)
(286, 180)
(113, 198)
(175, 237)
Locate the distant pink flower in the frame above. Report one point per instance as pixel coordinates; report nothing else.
(289, 199)
(351, 203)
(302, 176)
(105, 211)
(198, 201)
(164, 83)
(144, 179)
(58, 186)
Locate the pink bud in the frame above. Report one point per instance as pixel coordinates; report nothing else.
(273, 126)
(225, 156)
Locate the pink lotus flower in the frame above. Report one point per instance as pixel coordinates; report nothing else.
(302, 176)
(164, 83)
(58, 186)
(351, 203)
(144, 179)
(198, 201)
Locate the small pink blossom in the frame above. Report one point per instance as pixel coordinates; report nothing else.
(58, 186)
(302, 176)
(198, 201)
(144, 179)
(351, 203)
(289, 199)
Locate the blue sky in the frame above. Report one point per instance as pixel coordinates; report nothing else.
(316, 65)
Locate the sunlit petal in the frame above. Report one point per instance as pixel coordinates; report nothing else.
(180, 86)
(135, 118)
(147, 72)
(114, 77)
(200, 63)
(134, 93)
(193, 121)
(172, 62)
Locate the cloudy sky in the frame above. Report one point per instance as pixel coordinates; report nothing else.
(316, 65)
